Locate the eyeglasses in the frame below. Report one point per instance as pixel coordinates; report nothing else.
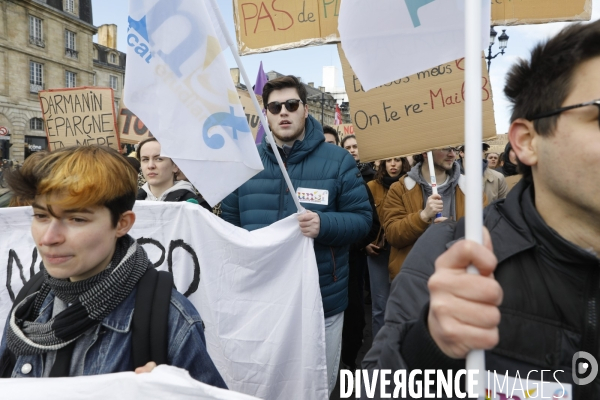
(291, 105)
(560, 110)
(449, 149)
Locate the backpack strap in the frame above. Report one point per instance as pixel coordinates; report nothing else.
(9, 360)
(149, 341)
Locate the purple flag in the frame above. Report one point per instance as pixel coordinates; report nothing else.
(261, 79)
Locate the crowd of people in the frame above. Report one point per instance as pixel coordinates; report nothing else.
(383, 230)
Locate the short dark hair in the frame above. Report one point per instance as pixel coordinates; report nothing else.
(346, 138)
(330, 130)
(543, 83)
(283, 82)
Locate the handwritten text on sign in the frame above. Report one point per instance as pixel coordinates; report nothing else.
(79, 117)
(413, 114)
(265, 25)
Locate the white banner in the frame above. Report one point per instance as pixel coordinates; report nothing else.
(257, 292)
(164, 382)
(178, 83)
(387, 40)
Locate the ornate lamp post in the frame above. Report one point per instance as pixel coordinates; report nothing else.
(502, 42)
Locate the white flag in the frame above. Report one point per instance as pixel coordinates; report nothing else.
(386, 40)
(164, 382)
(178, 83)
(257, 292)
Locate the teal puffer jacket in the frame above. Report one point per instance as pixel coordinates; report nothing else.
(311, 164)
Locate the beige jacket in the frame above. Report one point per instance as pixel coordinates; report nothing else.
(494, 185)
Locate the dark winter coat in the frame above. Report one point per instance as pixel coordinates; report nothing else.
(549, 309)
(311, 164)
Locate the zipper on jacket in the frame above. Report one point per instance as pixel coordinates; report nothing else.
(333, 260)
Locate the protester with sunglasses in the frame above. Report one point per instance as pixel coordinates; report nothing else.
(338, 215)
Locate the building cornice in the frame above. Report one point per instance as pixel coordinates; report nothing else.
(61, 15)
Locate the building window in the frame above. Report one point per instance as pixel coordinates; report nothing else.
(36, 77)
(35, 31)
(70, 6)
(70, 79)
(113, 58)
(117, 106)
(36, 124)
(114, 82)
(70, 49)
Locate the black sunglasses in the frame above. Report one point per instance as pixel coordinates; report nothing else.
(291, 105)
(560, 110)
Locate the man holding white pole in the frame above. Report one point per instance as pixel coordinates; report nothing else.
(534, 304)
(431, 192)
(327, 184)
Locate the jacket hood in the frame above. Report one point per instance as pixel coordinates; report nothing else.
(177, 186)
(313, 137)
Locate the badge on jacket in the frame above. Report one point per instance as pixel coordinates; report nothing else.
(313, 196)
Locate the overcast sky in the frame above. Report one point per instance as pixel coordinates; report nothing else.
(308, 62)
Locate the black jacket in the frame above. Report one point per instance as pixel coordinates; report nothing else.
(178, 195)
(549, 310)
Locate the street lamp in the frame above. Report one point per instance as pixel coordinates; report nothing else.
(502, 43)
(322, 105)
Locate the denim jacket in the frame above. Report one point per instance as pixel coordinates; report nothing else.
(106, 348)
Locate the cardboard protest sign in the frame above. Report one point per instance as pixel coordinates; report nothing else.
(79, 117)
(262, 26)
(522, 12)
(131, 129)
(250, 111)
(344, 130)
(414, 114)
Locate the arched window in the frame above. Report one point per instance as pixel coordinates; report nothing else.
(113, 58)
(36, 124)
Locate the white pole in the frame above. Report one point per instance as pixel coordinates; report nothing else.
(263, 120)
(473, 140)
(432, 177)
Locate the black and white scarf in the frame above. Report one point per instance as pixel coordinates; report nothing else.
(91, 301)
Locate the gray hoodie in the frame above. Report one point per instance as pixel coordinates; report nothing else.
(445, 189)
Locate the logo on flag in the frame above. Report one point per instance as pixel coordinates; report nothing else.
(179, 84)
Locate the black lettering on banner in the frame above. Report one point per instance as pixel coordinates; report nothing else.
(14, 258)
(141, 241)
(196, 279)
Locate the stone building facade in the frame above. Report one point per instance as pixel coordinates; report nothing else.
(44, 44)
(109, 63)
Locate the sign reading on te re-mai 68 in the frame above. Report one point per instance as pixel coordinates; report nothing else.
(414, 114)
(79, 117)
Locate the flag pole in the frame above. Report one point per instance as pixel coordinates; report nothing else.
(263, 120)
(432, 177)
(473, 140)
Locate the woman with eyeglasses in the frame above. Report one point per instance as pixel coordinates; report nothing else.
(390, 171)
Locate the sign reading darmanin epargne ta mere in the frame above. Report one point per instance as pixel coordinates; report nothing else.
(79, 117)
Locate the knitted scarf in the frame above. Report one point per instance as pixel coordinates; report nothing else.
(91, 300)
